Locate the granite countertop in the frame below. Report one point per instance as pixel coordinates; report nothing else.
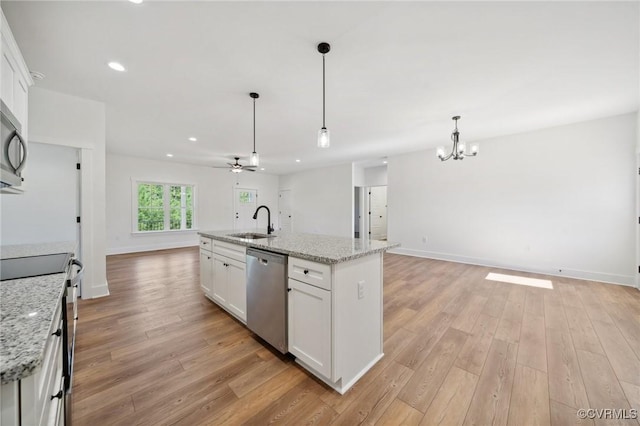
(317, 248)
(27, 308)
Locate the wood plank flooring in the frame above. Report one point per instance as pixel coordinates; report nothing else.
(459, 349)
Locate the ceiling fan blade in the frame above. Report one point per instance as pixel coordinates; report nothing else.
(219, 167)
(249, 170)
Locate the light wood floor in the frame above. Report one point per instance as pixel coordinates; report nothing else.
(458, 350)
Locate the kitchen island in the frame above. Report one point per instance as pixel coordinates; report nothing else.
(333, 290)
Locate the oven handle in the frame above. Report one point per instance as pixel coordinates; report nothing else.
(74, 281)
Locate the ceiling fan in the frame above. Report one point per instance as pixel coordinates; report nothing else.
(237, 167)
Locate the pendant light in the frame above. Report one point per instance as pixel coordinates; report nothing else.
(254, 160)
(323, 134)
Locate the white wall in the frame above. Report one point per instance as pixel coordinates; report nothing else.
(375, 176)
(214, 200)
(46, 211)
(558, 201)
(60, 119)
(322, 200)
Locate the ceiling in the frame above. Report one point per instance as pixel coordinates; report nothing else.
(396, 73)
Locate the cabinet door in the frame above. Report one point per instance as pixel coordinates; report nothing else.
(219, 285)
(237, 289)
(310, 326)
(206, 272)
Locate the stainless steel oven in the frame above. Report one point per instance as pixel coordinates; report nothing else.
(70, 320)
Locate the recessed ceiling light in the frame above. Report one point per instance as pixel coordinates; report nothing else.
(116, 66)
(297, 160)
(262, 168)
(136, 1)
(384, 161)
(192, 139)
(169, 155)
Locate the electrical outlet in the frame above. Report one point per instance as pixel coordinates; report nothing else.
(360, 289)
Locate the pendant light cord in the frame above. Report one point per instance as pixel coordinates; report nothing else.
(323, 93)
(254, 125)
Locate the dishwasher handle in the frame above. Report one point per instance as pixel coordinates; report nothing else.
(263, 261)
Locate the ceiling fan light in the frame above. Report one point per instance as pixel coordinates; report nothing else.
(324, 138)
(236, 170)
(254, 160)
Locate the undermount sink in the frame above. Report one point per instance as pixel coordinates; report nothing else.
(251, 236)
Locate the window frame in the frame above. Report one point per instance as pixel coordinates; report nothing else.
(166, 204)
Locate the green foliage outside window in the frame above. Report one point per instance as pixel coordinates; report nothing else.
(152, 207)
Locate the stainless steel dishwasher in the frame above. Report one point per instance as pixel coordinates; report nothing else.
(267, 297)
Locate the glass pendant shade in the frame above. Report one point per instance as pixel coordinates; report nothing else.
(254, 160)
(461, 148)
(323, 138)
(475, 148)
(440, 152)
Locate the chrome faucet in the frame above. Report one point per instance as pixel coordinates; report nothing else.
(269, 224)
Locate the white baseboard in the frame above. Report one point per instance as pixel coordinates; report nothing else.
(608, 278)
(150, 247)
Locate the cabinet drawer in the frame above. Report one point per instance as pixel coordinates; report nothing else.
(316, 274)
(232, 251)
(206, 243)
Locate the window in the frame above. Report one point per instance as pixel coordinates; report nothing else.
(163, 207)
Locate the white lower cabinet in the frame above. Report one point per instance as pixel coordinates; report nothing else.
(335, 317)
(223, 275)
(206, 272)
(237, 289)
(310, 325)
(38, 399)
(230, 285)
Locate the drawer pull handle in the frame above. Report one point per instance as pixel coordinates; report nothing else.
(288, 289)
(58, 332)
(306, 271)
(58, 395)
(204, 243)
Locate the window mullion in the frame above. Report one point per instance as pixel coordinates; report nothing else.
(166, 202)
(183, 208)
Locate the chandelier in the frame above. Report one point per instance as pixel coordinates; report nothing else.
(459, 148)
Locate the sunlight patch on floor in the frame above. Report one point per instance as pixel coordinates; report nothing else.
(514, 279)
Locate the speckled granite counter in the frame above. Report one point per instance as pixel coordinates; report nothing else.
(317, 248)
(27, 307)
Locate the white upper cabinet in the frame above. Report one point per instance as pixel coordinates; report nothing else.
(15, 78)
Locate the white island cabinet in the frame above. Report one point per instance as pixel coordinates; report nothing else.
(335, 317)
(223, 275)
(333, 296)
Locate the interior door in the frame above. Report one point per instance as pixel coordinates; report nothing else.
(245, 202)
(378, 212)
(284, 211)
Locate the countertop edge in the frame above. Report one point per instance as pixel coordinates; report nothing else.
(293, 253)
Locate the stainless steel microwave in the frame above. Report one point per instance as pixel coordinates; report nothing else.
(14, 149)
